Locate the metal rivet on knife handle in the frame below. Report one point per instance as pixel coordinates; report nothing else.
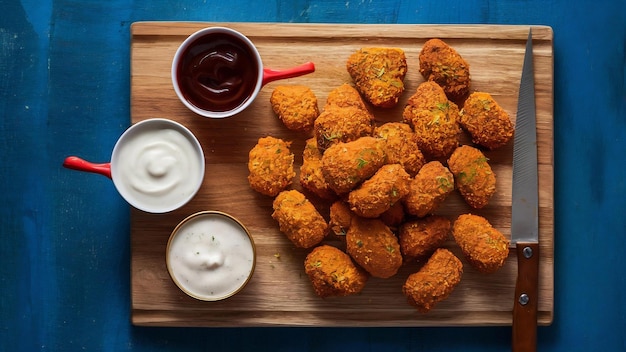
(523, 299)
(528, 252)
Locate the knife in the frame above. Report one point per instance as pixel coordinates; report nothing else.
(525, 211)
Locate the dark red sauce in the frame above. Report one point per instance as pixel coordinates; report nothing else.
(217, 72)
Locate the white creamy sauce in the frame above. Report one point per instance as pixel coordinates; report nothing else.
(210, 256)
(158, 167)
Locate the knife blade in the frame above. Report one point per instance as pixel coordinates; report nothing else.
(525, 211)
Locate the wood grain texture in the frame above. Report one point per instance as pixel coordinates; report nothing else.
(280, 294)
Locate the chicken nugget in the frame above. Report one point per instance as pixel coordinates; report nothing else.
(394, 216)
(335, 125)
(473, 175)
(345, 118)
(374, 247)
(345, 165)
(270, 165)
(376, 195)
(443, 65)
(419, 238)
(333, 273)
(311, 177)
(486, 121)
(298, 219)
(484, 246)
(378, 74)
(340, 219)
(430, 187)
(434, 119)
(434, 282)
(401, 146)
(296, 106)
(346, 95)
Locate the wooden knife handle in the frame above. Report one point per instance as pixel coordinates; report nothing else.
(526, 298)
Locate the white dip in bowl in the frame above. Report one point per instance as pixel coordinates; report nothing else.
(210, 256)
(157, 165)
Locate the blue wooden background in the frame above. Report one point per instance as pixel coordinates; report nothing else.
(64, 237)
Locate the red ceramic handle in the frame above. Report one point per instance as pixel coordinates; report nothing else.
(76, 163)
(270, 75)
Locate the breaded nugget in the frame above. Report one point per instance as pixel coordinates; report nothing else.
(434, 119)
(340, 218)
(344, 119)
(335, 125)
(298, 219)
(430, 187)
(378, 74)
(345, 165)
(394, 216)
(473, 176)
(419, 238)
(270, 165)
(311, 177)
(485, 247)
(376, 195)
(333, 273)
(443, 65)
(296, 106)
(434, 282)
(401, 146)
(346, 95)
(374, 247)
(486, 121)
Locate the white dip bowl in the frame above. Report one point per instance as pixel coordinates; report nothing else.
(210, 256)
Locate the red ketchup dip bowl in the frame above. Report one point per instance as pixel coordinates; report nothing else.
(217, 72)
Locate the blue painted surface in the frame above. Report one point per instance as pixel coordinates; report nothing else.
(64, 246)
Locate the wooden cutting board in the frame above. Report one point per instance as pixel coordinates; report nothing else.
(279, 293)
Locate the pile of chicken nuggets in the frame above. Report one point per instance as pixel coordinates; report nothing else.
(385, 182)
